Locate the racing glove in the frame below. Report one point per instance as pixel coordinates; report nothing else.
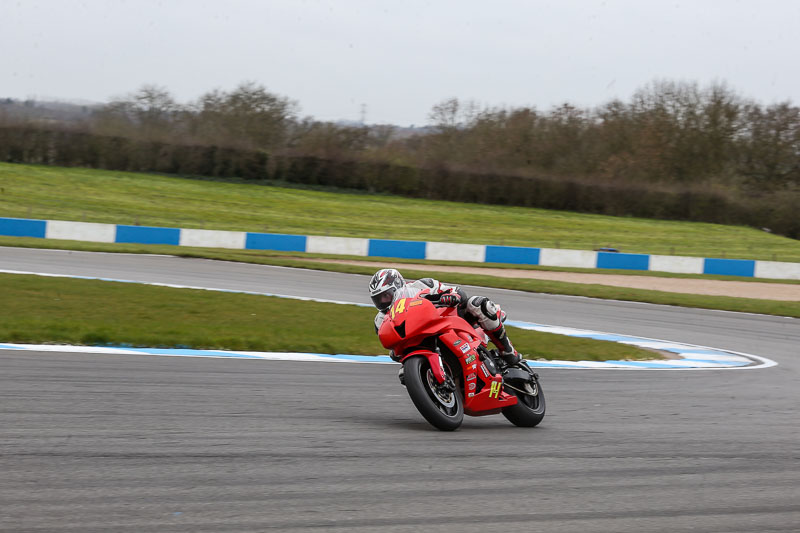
(450, 299)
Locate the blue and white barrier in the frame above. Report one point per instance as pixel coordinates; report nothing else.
(384, 248)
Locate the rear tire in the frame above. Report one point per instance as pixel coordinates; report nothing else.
(529, 410)
(443, 409)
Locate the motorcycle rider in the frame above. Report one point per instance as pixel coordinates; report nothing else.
(387, 285)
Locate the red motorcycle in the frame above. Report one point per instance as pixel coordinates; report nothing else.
(449, 371)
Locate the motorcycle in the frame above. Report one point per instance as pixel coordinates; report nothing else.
(449, 371)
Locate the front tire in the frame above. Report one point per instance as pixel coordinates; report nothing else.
(443, 408)
(530, 407)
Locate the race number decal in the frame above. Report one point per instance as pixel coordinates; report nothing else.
(399, 307)
(494, 392)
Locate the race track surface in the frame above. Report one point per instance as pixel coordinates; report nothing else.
(140, 443)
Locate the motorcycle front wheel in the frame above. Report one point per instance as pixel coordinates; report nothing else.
(530, 407)
(442, 407)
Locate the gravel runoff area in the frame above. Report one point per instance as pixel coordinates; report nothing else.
(711, 287)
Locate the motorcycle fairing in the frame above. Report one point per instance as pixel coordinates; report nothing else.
(483, 391)
(412, 320)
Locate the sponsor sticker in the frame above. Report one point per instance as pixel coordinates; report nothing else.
(464, 348)
(415, 303)
(458, 342)
(472, 387)
(470, 359)
(485, 371)
(471, 394)
(470, 377)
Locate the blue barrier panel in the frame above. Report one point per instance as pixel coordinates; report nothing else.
(623, 261)
(403, 249)
(512, 254)
(22, 227)
(148, 235)
(730, 267)
(275, 241)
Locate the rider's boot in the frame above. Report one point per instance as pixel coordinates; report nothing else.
(499, 338)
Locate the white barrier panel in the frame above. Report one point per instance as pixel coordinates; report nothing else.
(777, 270)
(206, 238)
(316, 244)
(676, 264)
(447, 251)
(567, 258)
(80, 231)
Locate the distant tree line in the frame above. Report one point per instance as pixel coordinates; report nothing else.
(669, 133)
(674, 151)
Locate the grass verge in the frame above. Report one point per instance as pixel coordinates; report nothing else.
(44, 192)
(722, 303)
(89, 312)
(302, 260)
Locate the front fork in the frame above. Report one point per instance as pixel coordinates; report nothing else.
(435, 360)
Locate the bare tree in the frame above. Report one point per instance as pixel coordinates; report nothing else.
(149, 114)
(249, 116)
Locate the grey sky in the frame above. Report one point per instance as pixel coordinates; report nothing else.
(401, 57)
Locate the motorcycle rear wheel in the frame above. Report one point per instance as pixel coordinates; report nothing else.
(443, 409)
(529, 409)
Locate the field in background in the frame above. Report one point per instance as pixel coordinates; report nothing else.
(75, 311)
(54, 193)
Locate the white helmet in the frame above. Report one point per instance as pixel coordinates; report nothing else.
(383, 286)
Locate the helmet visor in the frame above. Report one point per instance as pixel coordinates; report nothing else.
(384, 300)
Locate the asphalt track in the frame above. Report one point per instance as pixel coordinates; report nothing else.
(139, 443)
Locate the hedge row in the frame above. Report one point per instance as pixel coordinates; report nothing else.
(80, 149)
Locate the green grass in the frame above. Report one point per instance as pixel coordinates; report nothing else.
(31, 191)
(75, 311)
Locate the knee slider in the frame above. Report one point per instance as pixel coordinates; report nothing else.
(489, 308)
(481, 306)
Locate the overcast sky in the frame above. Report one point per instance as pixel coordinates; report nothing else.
(397, 58)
